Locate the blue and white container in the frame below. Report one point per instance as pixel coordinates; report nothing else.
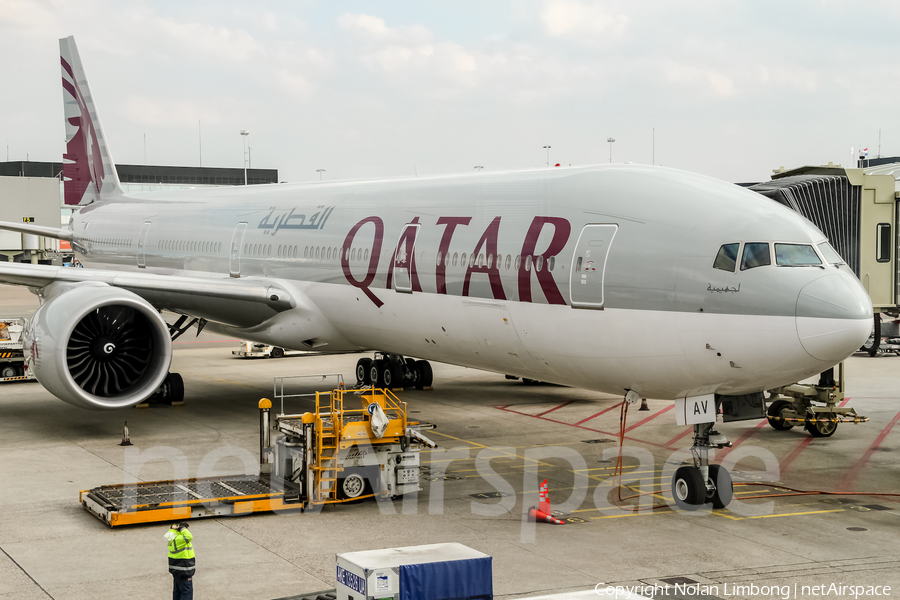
(431, 572)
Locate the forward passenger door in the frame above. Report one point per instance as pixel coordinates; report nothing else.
(589, 265)
(237, 240)
(142, 245)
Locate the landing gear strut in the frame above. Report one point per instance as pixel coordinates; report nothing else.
(170, 392)
(388, 371)
(702, 483)
(172, 389)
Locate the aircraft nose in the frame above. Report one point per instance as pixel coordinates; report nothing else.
(834, 316)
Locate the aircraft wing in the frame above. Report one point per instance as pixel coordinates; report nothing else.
(57, 233)
(233, 301)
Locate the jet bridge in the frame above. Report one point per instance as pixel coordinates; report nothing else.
(857, 209)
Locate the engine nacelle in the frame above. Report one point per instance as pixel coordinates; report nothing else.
(97, 346)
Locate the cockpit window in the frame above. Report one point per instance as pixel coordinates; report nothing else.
(756, 254)
(727, 257)
(830, 254)
(796, 255)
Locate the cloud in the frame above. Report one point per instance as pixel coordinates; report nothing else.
(493, 70)
(410, 52)
(212, 41)
(145, 110)
(693, 77)
(583, 21)
(27, 15)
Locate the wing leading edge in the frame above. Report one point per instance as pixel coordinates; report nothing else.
(221, 299)
(57, 233)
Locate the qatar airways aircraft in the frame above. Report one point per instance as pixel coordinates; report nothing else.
(633, 280)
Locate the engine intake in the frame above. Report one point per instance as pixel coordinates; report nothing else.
(97, 346)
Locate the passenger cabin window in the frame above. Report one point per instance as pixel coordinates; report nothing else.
(727, 257)
(883, 247)
(796, 255)
(830, 254)
(756, 254)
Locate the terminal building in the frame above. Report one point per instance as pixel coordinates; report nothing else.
(32, 192)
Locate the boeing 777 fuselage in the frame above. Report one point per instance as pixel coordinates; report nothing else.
(597, 277)
(634, 280)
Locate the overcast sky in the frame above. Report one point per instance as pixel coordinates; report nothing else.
(382, 88)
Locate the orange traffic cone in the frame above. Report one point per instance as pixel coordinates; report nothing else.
(539, 515)
(644, 404)
(543, 510)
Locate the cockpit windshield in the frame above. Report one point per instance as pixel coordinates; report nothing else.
(796, 255)
(830, 254)
(756, 254)
(727, 257)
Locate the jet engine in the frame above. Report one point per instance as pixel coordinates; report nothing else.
(97, 346)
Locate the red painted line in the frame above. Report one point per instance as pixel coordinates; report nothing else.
(743, 438)
(784, 464)
(689, 431)
(564, 404)
(651, 417)
(615, 406)
(609, 433)
(855, 470)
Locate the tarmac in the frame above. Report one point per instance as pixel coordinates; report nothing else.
(498, 439)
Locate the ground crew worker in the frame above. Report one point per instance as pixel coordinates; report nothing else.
(181, 561)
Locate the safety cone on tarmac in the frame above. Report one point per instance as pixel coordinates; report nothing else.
(126, 439)
(542, 512)
(644, 404)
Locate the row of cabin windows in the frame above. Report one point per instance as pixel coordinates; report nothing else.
(115, 242)
(759, 254)
(482, 261)
(354, 254)
(190, 246)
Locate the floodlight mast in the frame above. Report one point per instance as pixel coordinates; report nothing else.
(244, 134)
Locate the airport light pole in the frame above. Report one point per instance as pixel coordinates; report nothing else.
(320, 171)
(244, 134)
(547, 148)
(610, 140)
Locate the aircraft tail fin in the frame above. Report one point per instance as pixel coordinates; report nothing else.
(88, 168)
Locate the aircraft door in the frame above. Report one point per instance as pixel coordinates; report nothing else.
(589, 265)
(142, 245)
(237, 240)
(402, 264)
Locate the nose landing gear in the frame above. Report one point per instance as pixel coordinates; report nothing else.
(701, 484)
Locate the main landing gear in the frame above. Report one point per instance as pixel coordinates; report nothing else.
(702, 483)
(170, 392)
(172, 389)
(388, 371)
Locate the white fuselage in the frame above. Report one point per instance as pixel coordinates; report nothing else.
(493, 271)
